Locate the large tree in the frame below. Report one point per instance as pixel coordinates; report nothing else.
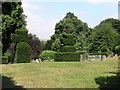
(69, 24)
(36, 47)
(102, 35)
(12, 19)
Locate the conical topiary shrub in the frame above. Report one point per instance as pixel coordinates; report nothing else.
(23, 52)
(67, 51)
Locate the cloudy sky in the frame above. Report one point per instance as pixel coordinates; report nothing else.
(42, 15)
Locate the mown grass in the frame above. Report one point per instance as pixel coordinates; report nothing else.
(59, 74)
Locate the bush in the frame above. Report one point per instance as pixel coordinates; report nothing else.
(117, 50)
(6, 57)
(104, 53)
(67, 49)
(23, 52)
(67, 56)
(47, 55)
(4, 60)
(104, 49)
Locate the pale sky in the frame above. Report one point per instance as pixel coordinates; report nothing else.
(42, 15)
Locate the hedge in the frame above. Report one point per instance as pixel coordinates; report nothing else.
(47, 55)
(67, 49)
(67, 56)
(23, 52)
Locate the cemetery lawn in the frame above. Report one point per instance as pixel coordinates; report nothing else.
(57, 74)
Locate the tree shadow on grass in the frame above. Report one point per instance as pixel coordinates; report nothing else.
(8, 83)
(109, 82)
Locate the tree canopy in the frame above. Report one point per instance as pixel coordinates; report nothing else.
(12, 19)
(90, 40)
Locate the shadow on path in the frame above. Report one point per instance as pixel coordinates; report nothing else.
(8, 83)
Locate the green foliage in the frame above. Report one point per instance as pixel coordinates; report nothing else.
(42, 44)
(117, 40)
(23, 52)
(47, 55)
(104, 53)
(70, 24)
(115, 23)
(81, 42)
(82, 52)
(6, 57)
(117, 49)
(12, 19)
(56, 45)
(67, 49)
(48, 45)
(70, 36)
(104, 49)
(21, 35)
(67, 41)
(103, 35)
(67, 56)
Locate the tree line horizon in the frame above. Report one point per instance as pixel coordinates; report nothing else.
(102, 39)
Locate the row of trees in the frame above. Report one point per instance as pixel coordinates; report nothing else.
(88, 40)
(17, 44)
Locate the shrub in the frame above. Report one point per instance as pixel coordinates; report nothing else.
(4, 60)
(104, 53)
(67, 49)
(117, 50)
(104, 49)
(23, 52)
(47, 55)
(67, 56)
(6, 57)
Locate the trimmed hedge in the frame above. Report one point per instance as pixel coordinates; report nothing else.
(23, 52)
(67, 56)
(67, 49)
(47, 55)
